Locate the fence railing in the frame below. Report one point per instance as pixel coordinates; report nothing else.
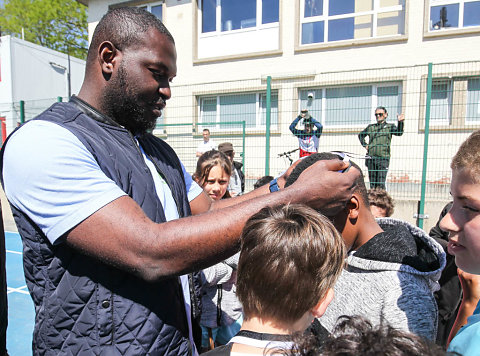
(440, 102)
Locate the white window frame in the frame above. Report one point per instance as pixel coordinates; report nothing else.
(373, 102)
(471, 122)
(151, 4)
(461, 9)
(258, 113)
(218, 16)
(325, 18)
(448, 120)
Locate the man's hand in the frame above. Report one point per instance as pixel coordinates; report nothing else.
(400, 117)
(323, 187)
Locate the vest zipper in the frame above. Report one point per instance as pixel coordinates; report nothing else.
(180, 215)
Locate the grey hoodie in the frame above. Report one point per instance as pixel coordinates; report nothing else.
(391, 279)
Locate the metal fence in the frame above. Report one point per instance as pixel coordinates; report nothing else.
(441, 104)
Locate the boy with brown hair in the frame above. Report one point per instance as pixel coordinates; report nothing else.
(291, 256)
(392, 267)
(463, 225)
(381, 203)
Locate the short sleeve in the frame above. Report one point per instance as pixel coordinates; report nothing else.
(193, 189)
(52, 177)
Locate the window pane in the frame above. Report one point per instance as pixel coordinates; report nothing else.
(157, 11)
(471, 15)
(389, 98)
(385, 3)
(348, 106)
(209, 16)
(444, 16)
(313, 105)
(313, 8)
(273, 111)
(208, 110)
(363, 26)
(473, 100)
(336, 7)
(238, 14)
(269, 11)
(440, 105)
(312, 32)
(391, 23)
(340, 29)
(238, 108)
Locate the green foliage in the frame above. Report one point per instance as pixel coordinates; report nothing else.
(57, 24)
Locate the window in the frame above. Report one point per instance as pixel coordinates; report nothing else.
(473, 101)
(226, 110)
(229, 15)
(351, 105)
(441, 100)
(155, 8)
(448, 14)
(325, 21)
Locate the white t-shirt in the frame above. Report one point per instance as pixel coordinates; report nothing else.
(206, 146)
(59, 192)
(309, 143)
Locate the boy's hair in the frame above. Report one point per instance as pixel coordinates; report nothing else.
(290, 256)
(380, 197)
(360, 187)
(262, 181)
(206, 130)
(468, 157)
(356, 336)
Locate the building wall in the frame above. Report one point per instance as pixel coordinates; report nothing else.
(34, 74)
(217, 64)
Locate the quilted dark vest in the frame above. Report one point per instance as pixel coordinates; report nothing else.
(86, 307)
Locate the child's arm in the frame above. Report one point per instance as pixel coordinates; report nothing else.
(471, 295)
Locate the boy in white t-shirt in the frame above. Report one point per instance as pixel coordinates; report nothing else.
(206, 144)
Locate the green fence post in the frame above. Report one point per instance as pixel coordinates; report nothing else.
(267, 126)
(243, 144)
(22, 111)
(421, 206)
(59, 99)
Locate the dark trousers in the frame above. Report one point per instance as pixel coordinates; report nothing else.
(377, 171)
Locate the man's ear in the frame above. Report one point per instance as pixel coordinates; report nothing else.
(108, 57)
(319, 309)
(353, 207)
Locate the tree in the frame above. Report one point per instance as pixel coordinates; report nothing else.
(57, 24)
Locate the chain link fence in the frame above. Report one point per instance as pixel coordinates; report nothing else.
(441, 108)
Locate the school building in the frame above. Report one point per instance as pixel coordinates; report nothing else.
(339, 59)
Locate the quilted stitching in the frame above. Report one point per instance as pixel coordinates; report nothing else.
(68, 288)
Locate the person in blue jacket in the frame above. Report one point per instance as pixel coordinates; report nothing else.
(308, 138)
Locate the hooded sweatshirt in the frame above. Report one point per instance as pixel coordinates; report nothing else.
(391, 279)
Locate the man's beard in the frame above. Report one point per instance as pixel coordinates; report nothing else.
(120, 102)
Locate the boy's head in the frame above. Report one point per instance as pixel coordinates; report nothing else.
(290, 259)
(355, 335)
(381, 203)
(262, 181)
(356, 215)
(463, 220)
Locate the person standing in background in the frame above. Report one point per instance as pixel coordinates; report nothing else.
(237, 179)
(206, 144)
(308, 138)
(378, 146)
